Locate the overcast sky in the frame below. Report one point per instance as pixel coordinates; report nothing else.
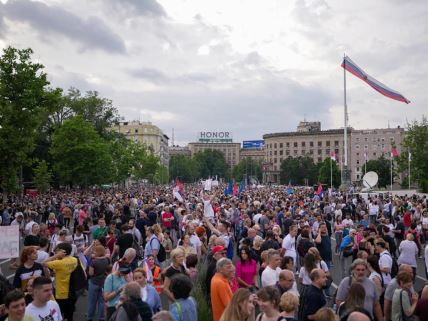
(249, 67)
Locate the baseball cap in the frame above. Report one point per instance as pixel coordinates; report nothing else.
(217, 248)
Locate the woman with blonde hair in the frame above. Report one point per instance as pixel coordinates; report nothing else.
(325, 314)
(177, 258)
(289, 304)
(240, 308)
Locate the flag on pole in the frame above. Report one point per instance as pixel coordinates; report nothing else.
(235, 189)
(229, 189)
(242, 186)
(394, 152)
(410, 157)
(352, 67)
(319, 189)
(333, 156)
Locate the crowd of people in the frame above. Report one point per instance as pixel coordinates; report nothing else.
(264, 254)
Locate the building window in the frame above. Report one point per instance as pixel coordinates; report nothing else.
(275, 160)
(287, 152)
(270, 153)
(358, 162)
(357, 146)
(303, 152)
(281, 152)
(336, 151)
(327, 143)
(383, 139)
(358, 176)
(366, 139)
(281, 145)
(295, 144)
(366, 147)
(303, 144)
(374, 154)
(311, 152)
(319, 151)
(280, 159)
(295, 152)
(327, 151)
(358, 139)
(374, 147)
(319, 144)
(136, 130)
(311, 144)
(358, 154)
(336, 143)
(275, 152)
(358, 169)
(287, 144)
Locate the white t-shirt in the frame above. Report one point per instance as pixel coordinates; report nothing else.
(385, 261)
(42, 256)
(373, 209)
(256, 218)
(195, 241)
(29, 226)
(289, 244)
(270, 276)
(50, 312)
(306, 280)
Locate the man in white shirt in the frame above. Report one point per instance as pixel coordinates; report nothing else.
(385, 262)
(43, 308)
(289, 243)
(373, 211)
(270, 274)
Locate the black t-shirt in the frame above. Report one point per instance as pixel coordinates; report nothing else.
(124, 242)
(270, 244)
(171, 271)
(32, 240)
(400, 226)
(325, 248)
(312, 301)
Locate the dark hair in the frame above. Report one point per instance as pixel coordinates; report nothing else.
(247, 251)
(382, 244)
(102, 240)
(180, 286)
(305, 233)
(41, 280)
(64, 246)
(374, 263)
(191, 260)
(43, 242)
(271, 294)
(309, 262)
(269, 235)
(285, 261)
(13, 296)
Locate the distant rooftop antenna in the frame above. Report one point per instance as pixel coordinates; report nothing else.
(172, 137)
(388, 124)
(304, 117)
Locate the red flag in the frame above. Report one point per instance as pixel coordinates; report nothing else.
(178, 183)
(235, 189)
(319, 190)
(394, 152)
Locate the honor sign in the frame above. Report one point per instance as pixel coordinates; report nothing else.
(215, 137)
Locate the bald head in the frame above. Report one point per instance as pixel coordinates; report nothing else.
(358, 316)
(286, 279)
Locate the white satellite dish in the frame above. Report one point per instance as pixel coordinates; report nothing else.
(370, 180)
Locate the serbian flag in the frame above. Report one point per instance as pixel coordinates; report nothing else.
(394, 152)
(177, 192)
(319, 190)
(235, 189)
(333, 156)
(352, 67)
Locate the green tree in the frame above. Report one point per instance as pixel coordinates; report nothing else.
(81, 157)
(22, 98)
(210, 163)
(161, 175)
(100, 112)
(298, 170)
(382, 167)
(416, 142)
(183, 168)
(42, 176)
(326, 168)
(247, 167)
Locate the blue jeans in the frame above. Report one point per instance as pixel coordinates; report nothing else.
(95, 301)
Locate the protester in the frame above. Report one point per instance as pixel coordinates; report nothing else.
(148, 293)
(132, 308)
(184, 308)
(221, 293)
(43, 308)
(15, 307)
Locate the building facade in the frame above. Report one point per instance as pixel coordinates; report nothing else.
(257, 154)
(230, 150)
(309, 141)
(179, 150)
(148, 134)
(370, 144)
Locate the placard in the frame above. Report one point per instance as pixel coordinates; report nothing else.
(9, 241)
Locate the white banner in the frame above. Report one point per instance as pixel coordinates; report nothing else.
(9, 241)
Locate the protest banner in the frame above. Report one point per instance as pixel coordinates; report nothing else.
(9, 241)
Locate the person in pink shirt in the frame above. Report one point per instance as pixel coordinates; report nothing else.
(167, 218)
(246, 269)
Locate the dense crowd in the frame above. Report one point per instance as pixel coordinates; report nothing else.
(264, 254)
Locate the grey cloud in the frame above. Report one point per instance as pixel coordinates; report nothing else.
(140, 7)
(158, 77)
(91, 33)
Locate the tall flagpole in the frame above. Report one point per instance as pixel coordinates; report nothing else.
(391, 171)
(410, 158)
(331, 173)
(345, 132)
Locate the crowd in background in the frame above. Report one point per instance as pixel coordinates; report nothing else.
(264, 254)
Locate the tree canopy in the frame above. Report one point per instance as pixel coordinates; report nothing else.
(297, 170)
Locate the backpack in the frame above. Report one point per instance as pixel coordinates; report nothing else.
(78, 281)
(161, 253)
